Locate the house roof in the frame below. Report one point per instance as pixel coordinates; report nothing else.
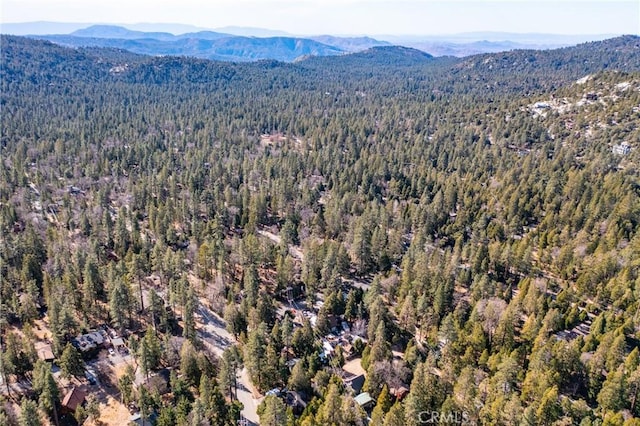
(363, 399)
(118, 341)
(400, 392)
(45, 353)
(355, 382)
(158, 381)
(73, 398)
(295, 399)
(88, 341)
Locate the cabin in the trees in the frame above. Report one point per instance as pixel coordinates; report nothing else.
(137, 420)
(91, 341)
(581, 330)
(355, 382)
(295, 400)
(623, 149)
(118, 344)
(73, 399)
(348, 351)
(45, 352)
(158, 382)
(365, 400)
(399, 393)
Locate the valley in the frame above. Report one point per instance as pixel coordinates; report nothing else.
(376, 237)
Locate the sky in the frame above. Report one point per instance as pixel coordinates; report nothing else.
(347, 17)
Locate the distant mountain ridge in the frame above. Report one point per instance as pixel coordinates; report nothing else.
(462, 49)
(211, 45)
(234, 49)
(525, 71)
(114, 31)
(242, 44)
(350, 44)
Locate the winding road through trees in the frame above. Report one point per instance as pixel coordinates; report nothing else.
(212, 331)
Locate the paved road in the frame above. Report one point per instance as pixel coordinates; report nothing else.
(246, 397)
(212, 330)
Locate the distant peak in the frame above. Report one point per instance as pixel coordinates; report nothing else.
(113, 29)
(406, 51)
(116, 31)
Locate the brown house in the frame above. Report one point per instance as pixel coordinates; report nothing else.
(399, 393)
(74, 398)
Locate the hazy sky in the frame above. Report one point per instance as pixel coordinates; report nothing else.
(347, 16)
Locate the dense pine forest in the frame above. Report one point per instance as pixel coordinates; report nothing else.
(461, 234)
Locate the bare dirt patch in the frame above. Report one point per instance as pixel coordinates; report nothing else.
(354, 367)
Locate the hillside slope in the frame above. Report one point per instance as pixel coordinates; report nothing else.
(465, 232)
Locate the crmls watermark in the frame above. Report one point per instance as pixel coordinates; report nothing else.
(450, 418)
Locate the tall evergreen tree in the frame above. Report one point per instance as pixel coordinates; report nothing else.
(71, 362)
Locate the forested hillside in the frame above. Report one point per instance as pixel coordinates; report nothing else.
(461, 232)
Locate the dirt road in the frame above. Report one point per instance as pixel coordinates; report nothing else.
(293, 250)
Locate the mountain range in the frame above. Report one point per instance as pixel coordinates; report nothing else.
(504, 71)
(241, 44)
(210, 44)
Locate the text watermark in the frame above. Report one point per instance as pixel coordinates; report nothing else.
(449, 418)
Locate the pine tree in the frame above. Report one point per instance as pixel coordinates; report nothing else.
(156, 308)
(119, 304)
(125, 385)
(330, 412)
(166, 417)
(227, 375)
(145, 358)
(383, 405)
(303, 340)
(255, 355)
(90, 285)
(189, 330)
(286, 329)
(45, 386)
(633, 391)
(425, 395)
(549, 409)
(29, 415)
(236, 322)
(299, 379)
(361, 248)
(136, 272)
(93, 408)
(145, 402)
(149, 352)
(271, 372)
(613, 394)
(71, 362)
(189, 363)
(395, 416)
(351, 412)
(251, 285)
(351, 307)
(273, 412)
